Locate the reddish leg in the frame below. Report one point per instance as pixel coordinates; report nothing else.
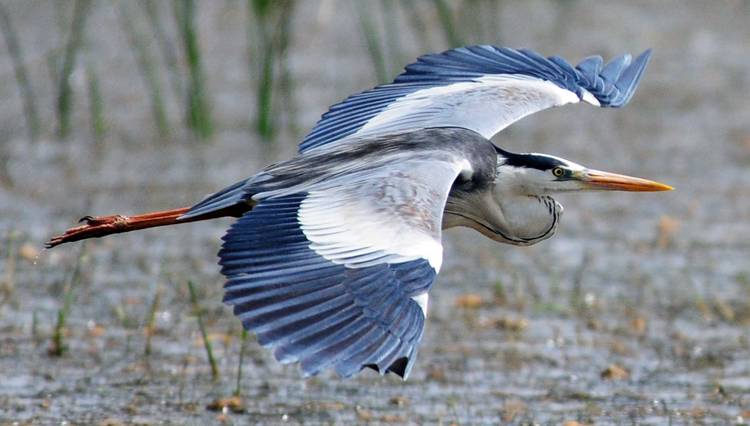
(100, 226)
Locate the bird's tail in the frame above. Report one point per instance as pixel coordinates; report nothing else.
(100, 226)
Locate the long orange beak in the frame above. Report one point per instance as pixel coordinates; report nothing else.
(596, 179)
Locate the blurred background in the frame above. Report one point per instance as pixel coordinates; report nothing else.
(637, 311)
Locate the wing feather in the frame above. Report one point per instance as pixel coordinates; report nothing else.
(336, 276)
(481, 88)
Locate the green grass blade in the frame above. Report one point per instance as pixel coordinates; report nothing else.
(286, 80)
(151, 321)
(58, 346)
(206, 343)
(417, 23)
(391, 29)
(147, 68)
(446, 20)
(168, 52)
(65, 91)
(8, 283)
(22, 77)
(372, 39)
(269, 43)
(198, 112)
(96, 107)
(264, 123)
(238, 385)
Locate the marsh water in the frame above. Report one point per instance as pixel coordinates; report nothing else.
(636, 312)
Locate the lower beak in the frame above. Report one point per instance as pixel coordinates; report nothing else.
(595, 179)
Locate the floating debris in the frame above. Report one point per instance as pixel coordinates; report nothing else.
(399, 401)
(638, 325)
(28, 251)
(469, 301)
(615, 372)
(363, 414)
(515, 325)
(512, 408)
(232, 404)
(667, 228)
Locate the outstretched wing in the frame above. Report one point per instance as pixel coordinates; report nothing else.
(481, 88)
(337, 275)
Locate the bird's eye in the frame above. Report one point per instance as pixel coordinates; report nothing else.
(558, 172)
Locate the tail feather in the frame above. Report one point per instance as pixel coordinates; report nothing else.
(228, 197)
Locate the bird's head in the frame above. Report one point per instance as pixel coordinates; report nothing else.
(517, 209)
(541, 174)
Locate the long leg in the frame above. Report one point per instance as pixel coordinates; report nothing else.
(100, 226)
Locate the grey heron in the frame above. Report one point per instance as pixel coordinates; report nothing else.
(335, 250)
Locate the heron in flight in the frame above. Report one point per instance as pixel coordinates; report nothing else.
(335, 250)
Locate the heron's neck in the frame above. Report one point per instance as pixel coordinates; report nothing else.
(507, 217)
(529, 218)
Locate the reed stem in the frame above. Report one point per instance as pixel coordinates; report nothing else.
(58, 346)
(8, 284)
(206, 343)
(22, 77)
(238, 385)
(372, 39)
(151, 322)
(152, 10)
(198, 115)
(65, 91)
(272, 22)
(446, 20)
(96, 108)
(148, 70)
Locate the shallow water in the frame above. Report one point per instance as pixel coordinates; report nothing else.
(657, 284)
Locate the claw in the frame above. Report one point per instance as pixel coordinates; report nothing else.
(92, 227)
(99, 226)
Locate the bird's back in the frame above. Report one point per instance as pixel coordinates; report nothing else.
(332, 165)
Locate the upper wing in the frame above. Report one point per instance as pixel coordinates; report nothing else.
(336, 275)
(481, 88)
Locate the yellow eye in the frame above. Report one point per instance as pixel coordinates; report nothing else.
(558, 172)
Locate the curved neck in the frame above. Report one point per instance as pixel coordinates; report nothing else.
(530, 218)
(505, 216)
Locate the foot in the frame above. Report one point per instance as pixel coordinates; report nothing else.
(93, 227)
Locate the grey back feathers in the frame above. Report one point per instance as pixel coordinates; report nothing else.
(327, 166)
(332, 165)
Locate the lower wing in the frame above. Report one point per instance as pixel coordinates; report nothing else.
(336, 275)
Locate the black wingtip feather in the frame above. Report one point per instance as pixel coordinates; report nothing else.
(399, 367)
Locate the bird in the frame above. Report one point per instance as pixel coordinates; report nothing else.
(333, 252)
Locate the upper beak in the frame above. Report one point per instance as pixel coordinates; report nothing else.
(596, 179)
